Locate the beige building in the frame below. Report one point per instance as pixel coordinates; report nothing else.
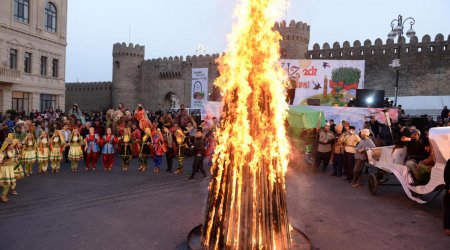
(33, 44)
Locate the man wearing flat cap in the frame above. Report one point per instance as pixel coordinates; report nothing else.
(361, 156)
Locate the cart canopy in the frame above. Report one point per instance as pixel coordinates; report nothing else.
(301, 117)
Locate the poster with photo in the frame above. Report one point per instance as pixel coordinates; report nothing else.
(199, 91)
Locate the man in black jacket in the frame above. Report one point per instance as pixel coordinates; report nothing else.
(199, 151)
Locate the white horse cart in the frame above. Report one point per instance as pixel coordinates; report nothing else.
(382, 159)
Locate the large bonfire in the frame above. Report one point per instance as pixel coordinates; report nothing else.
(246, 207)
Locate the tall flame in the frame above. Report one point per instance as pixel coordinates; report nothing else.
(247, 201)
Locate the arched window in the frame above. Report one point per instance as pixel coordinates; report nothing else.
(21, 10)
(50, 17)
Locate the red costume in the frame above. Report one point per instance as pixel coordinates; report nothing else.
(108, 143)
(136, 138)
(142, 117)
(92, 150)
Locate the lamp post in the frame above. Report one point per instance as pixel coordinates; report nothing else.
(397, 29)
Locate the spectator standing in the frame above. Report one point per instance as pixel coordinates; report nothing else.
(374, 126)
(361, 156)
(338, 151)
(350, 142)
(51, 115)
(324, 147)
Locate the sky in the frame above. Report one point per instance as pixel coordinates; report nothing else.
(177, 27)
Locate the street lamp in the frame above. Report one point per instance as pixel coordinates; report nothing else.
(397, 29)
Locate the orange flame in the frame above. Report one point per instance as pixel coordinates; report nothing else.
(247, 207)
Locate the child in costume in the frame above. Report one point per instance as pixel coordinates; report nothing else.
(56, 150)
(109, 142)
(29, 153)
(125, 149)
(43, 152)
(75, 151)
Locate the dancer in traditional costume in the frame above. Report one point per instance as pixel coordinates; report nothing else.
(7, 164)
(125, 149)
(75, 151)
(29, 153)
(182, 145)
(56, 150)
(136, 138)
(92, 148)
(160, 149)
(169, 139)
(141, 115)
(18, 169)
(43, 152)
(146, 150)
(109, 142)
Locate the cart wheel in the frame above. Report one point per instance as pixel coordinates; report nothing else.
(373, 184)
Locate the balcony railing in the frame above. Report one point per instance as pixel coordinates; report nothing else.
(7, 72)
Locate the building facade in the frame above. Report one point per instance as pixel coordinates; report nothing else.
(425, 69)
(33, 35)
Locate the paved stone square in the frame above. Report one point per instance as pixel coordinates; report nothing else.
(156, 211)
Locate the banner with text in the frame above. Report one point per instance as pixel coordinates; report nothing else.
(357, 116)
(330, 82)
(199, 87)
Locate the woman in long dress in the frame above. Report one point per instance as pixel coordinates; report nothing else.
(7, 164)
(29, 153)
(56, 150)
(43, 152)
(75, 151)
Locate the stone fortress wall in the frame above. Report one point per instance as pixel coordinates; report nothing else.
(425, 69)
(89, 95)
(425, 64)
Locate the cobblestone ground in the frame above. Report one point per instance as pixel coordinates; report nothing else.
(120, 210)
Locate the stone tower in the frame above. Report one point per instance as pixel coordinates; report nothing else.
(126, 74)
(295, 39)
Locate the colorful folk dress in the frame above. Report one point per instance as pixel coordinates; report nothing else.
(43, 154)
(75, 151)
(56, 149)
(125, 151)
(18, 169)
(29, 155)
(7, 178)
(146, 152)
(109, 143)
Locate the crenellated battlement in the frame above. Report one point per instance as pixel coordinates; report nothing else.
(122, 49)
(293, 26)
(189, 59)
(358, 49)
(88, 86)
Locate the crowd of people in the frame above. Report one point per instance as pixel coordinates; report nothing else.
(347, 150)
(50, 138)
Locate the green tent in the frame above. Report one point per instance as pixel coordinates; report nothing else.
(301, 117)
